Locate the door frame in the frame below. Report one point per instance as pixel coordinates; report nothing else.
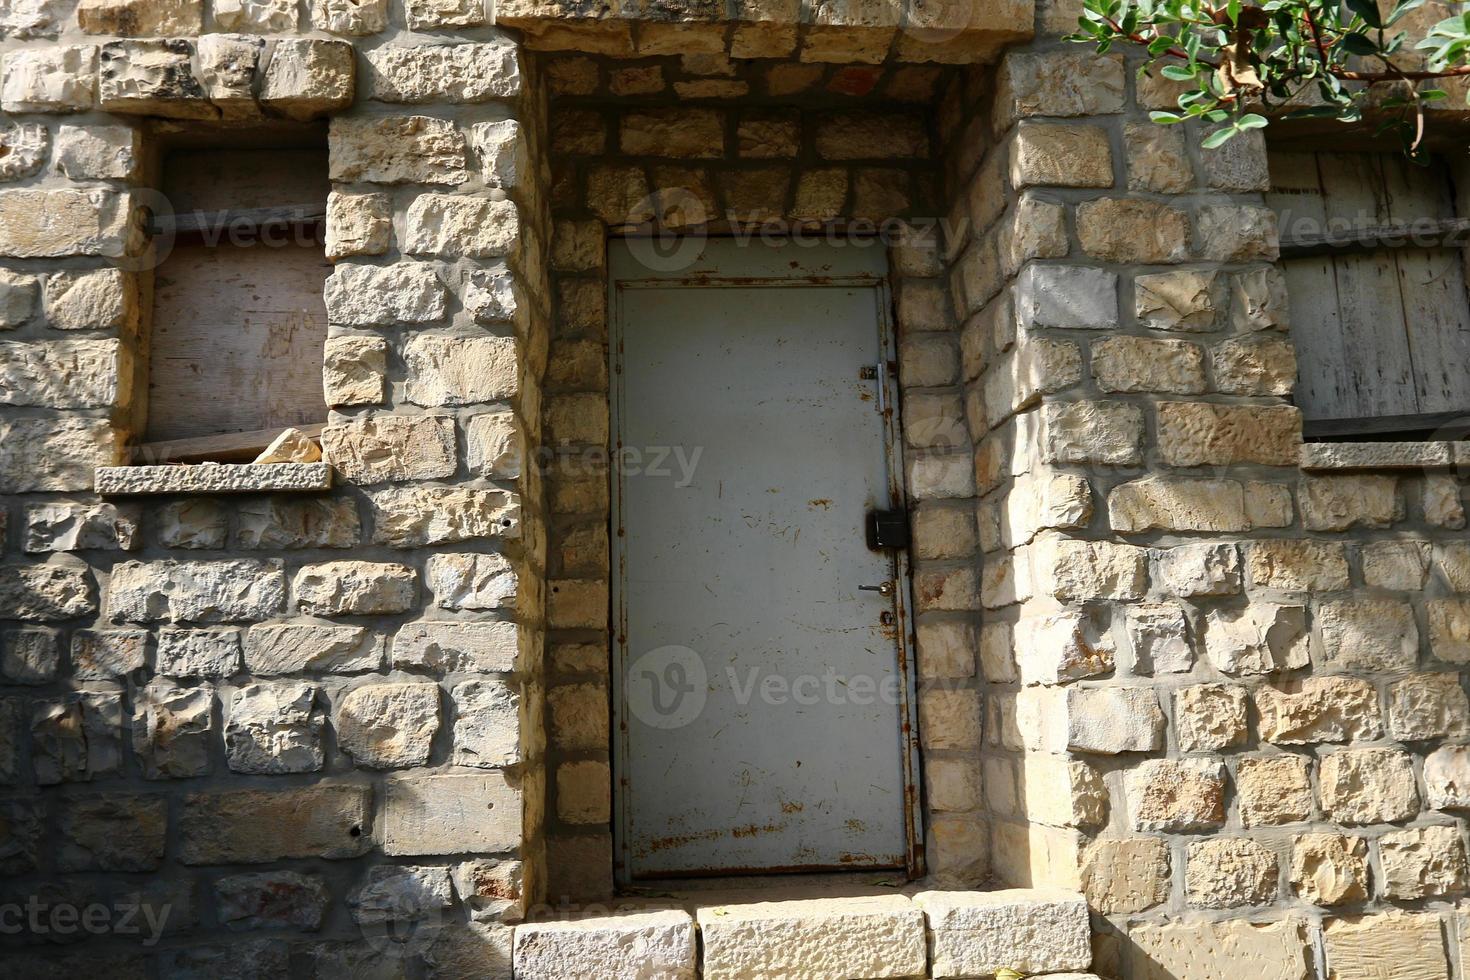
(767, 274)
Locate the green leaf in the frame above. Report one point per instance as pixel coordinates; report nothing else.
(1366, 9)
(1251, 120)
(1360, 44)
(1179, 73)
(1219, 137)
(1404, 7)
(1165, 118)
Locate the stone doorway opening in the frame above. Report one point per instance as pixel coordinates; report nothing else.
(686, 146)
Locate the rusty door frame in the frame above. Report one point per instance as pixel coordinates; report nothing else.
(888, 393)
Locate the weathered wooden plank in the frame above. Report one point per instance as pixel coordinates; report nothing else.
(1425, 233)
(1451, 425)
(228, 448)
(1432, 288)
(238, 332)
(1324, 383)
(216, 227)
(1374, 339)
(238, 341)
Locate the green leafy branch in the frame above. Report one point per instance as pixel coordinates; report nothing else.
(1290, 59)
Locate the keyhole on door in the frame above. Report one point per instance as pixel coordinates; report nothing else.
(886, 618)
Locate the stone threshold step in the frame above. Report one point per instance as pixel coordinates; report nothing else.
(940, 934)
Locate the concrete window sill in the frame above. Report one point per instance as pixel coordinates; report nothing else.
(213, 478)
(1383, 455)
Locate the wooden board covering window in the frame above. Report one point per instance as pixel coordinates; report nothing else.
(238, 331)
(1382, 333)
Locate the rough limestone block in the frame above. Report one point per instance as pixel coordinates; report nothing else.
(309, 77)
(617, 947)
(152, 78)
(23, 150)
(1319, 709)
(350, 17)
(1329, 869)
(354, 370)
(271, 900)
(385, 448)
(355, 588)
(290, 648)
(1447, 778)
(409, 518)
(97, 152)
(1225, 872)
(1176, 795)
(213, 478)
(78, 526)
(396, 150)
(453, 226)
(1422, 862)
(251, 826)
(50, 79)
(274, 727)
(47, 593)
(486, 724)
(1368, 786)
(65, 374)
(198, 653)
(1129, 874)
(1261, 639)
(93, 299)
(471, 581)
(65, 222)
(358, 224)
(453, 371)
(449, 647)
(454, 73)
(196, 591)
(880, 936)
(388, 726)
(1073, 297)
(365, 296)
(1223, 950)
(173, 729)
(1112, 720)
(1407, 945)
(451, 814)
(18, 294)
(226, 66)
(116, 832)
(256, 16)
(974, 934)
(141, 18)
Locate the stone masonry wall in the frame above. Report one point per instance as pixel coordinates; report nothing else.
(1224, 697)
(826, 151)
(293, 727)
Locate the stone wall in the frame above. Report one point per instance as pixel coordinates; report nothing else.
(844, 154)
(1223, 694)
(291, 726)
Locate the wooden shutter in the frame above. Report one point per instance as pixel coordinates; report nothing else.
(1381, 335)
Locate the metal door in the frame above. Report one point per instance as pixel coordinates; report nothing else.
(763, 681)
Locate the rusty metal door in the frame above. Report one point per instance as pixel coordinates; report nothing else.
(762, 671)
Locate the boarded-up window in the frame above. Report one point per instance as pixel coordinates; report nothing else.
(1381, 322)
(239, 323)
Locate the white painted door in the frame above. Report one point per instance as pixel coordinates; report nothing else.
(763, 693)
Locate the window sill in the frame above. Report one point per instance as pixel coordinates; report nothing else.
(1383, 455)
(214, 478)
